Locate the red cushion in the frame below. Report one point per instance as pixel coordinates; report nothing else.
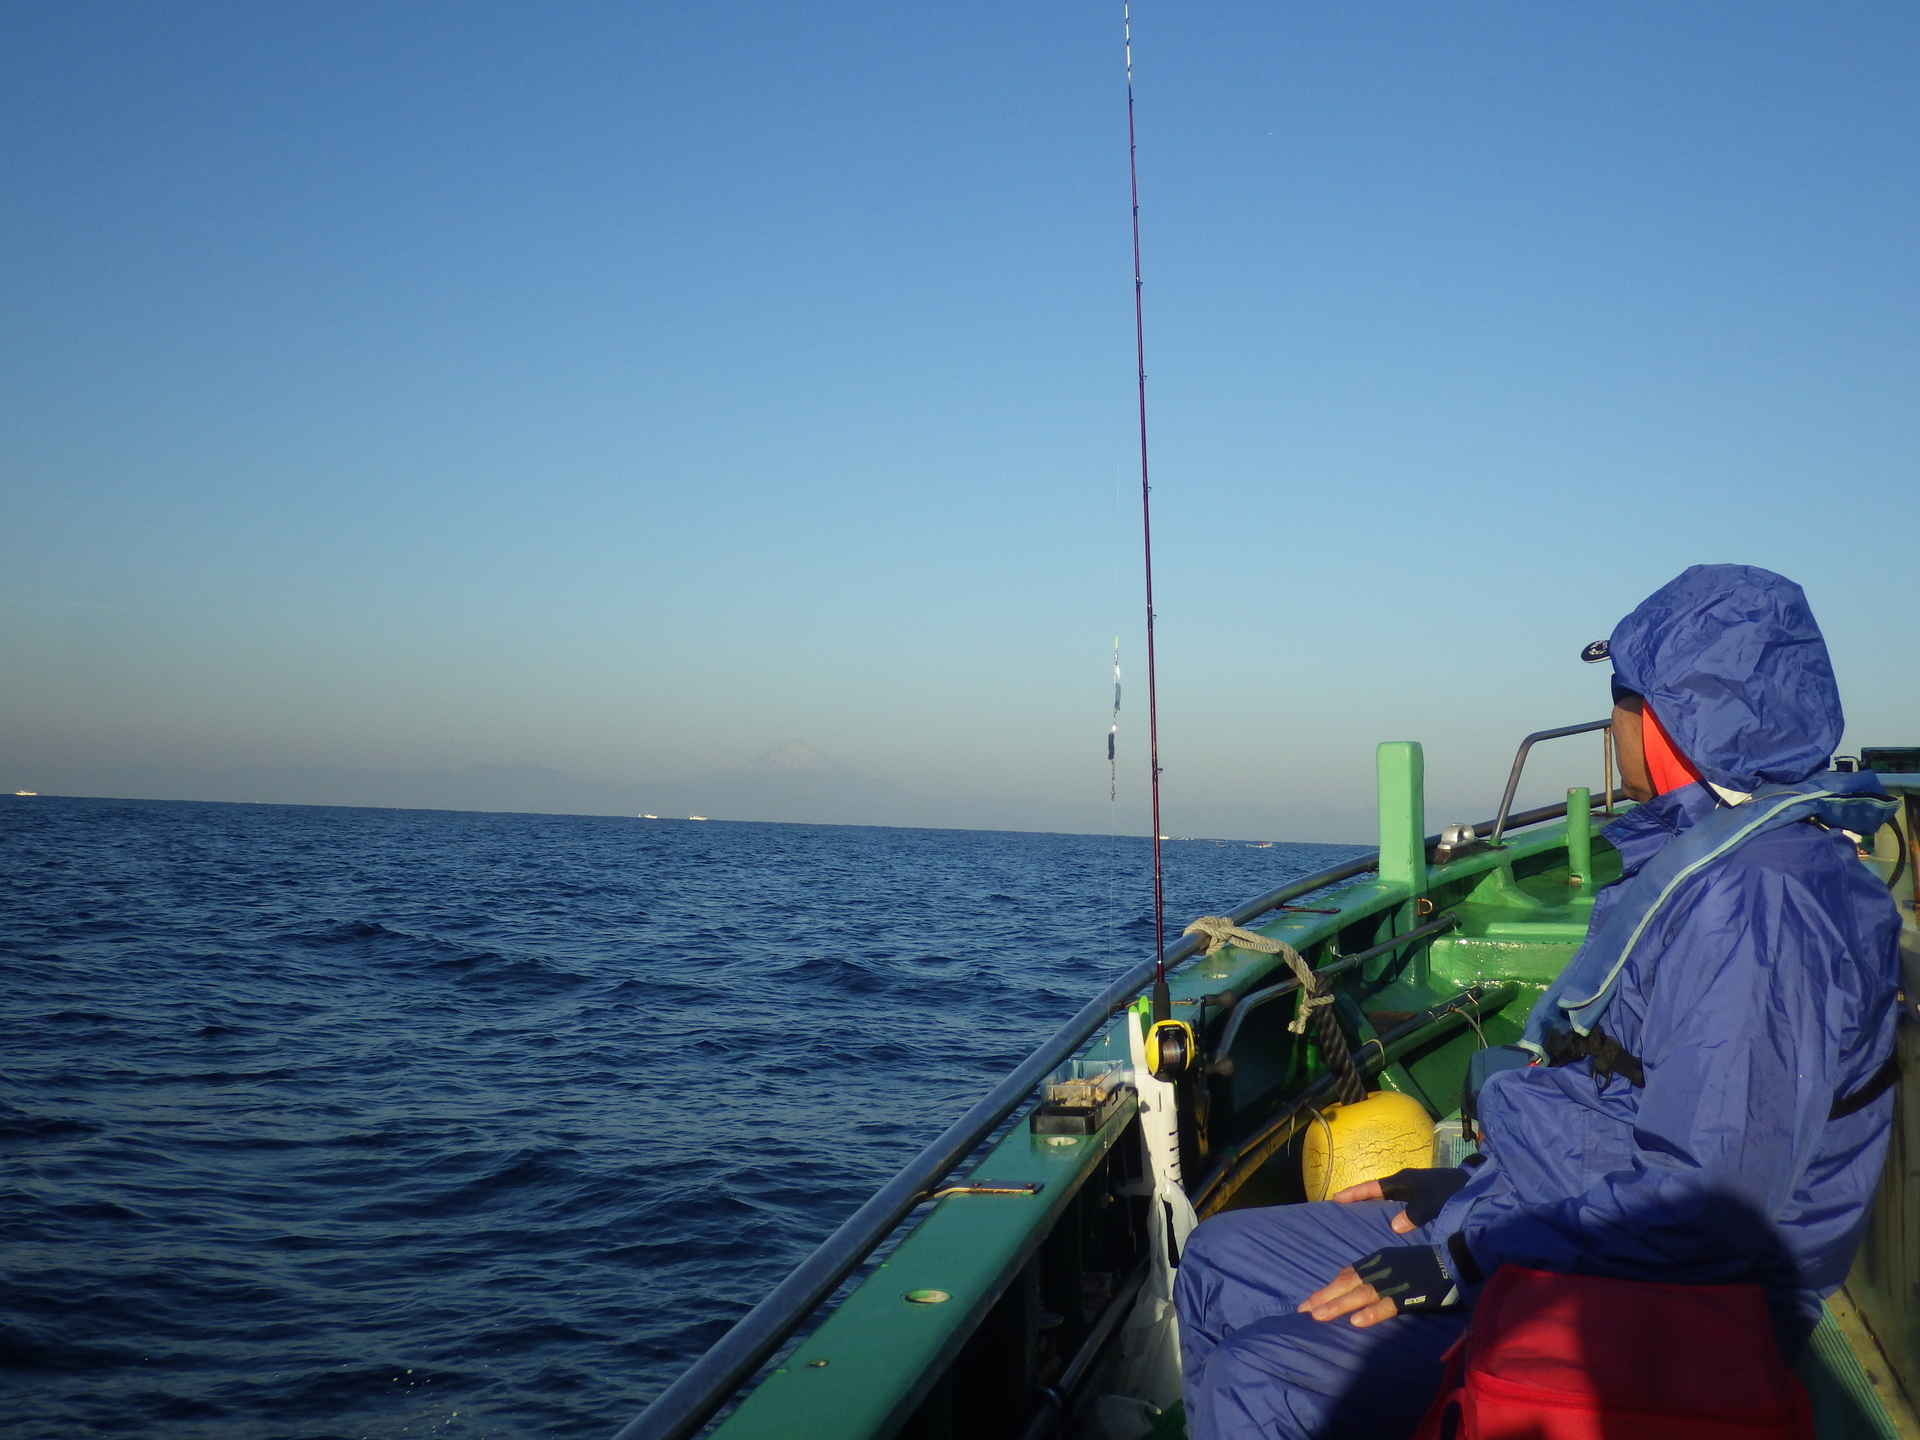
(1572, 1357)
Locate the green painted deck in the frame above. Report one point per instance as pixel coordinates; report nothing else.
(875, 1357)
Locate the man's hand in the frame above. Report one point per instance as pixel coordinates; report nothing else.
(1347, 1293)
(1367, 1190)
(1400, 1278)
(1424, 1191)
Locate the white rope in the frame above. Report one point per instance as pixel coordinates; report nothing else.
(1221, 932)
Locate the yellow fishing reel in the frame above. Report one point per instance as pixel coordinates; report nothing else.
(1170, 1049)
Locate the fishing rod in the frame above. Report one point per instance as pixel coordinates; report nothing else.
(1169, 1044)
(1162, 1002)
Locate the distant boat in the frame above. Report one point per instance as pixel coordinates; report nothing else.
(1261, 845)
(696, 817)
(649, 817)
(26, 792)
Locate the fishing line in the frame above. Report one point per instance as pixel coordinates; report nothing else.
(1116, 852)
(1162, 1002)
(1115, 925)
(1326, 1182)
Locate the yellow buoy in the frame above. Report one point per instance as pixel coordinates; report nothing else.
(1367, 1140)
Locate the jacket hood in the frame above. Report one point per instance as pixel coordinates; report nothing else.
(1733, 662)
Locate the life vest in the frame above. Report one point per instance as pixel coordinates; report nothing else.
(1580, 994)
(1577, 1357)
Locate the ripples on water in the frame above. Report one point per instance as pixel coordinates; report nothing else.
(330, 1122)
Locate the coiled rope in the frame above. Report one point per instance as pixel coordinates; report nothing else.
(1348, 1083)
(1222, 932)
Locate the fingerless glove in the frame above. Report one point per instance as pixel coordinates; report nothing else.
(1411, 1276)
(1425, 1191)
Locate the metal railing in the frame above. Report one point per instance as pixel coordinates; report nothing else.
(1500, 821)
(1439, 925)
(1058, 1397)
(1484, 828)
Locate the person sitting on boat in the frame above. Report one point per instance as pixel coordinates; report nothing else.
(1708, 1095)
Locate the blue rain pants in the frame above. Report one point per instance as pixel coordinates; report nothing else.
(1256, 1368)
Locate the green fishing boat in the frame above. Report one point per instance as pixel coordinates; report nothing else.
(1015, 1280)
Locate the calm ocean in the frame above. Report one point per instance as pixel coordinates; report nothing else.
(347, 1123)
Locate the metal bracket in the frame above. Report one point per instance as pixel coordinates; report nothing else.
(990, 1187)
(1455, 840)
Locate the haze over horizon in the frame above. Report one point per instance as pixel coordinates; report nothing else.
(789, 783)
(618, 389)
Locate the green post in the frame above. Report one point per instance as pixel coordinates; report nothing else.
(1579, 835)
(1402, 772)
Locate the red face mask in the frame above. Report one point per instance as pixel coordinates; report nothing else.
(1667, 768)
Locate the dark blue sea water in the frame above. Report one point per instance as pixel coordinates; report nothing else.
(346, 1123)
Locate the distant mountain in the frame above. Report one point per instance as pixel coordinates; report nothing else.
(476, 787)
(789, 782)
(794, 755)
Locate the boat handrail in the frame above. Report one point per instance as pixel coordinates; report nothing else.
(1502, 820)
(1243, 1005)
(1058, 1396)
(690, 1401)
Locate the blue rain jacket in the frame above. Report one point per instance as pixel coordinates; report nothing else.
(1761, 990)
(1581, 993)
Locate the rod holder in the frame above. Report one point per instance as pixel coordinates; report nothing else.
(1580, 834)
(1400, 766)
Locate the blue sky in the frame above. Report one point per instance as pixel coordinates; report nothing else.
(624, 388)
